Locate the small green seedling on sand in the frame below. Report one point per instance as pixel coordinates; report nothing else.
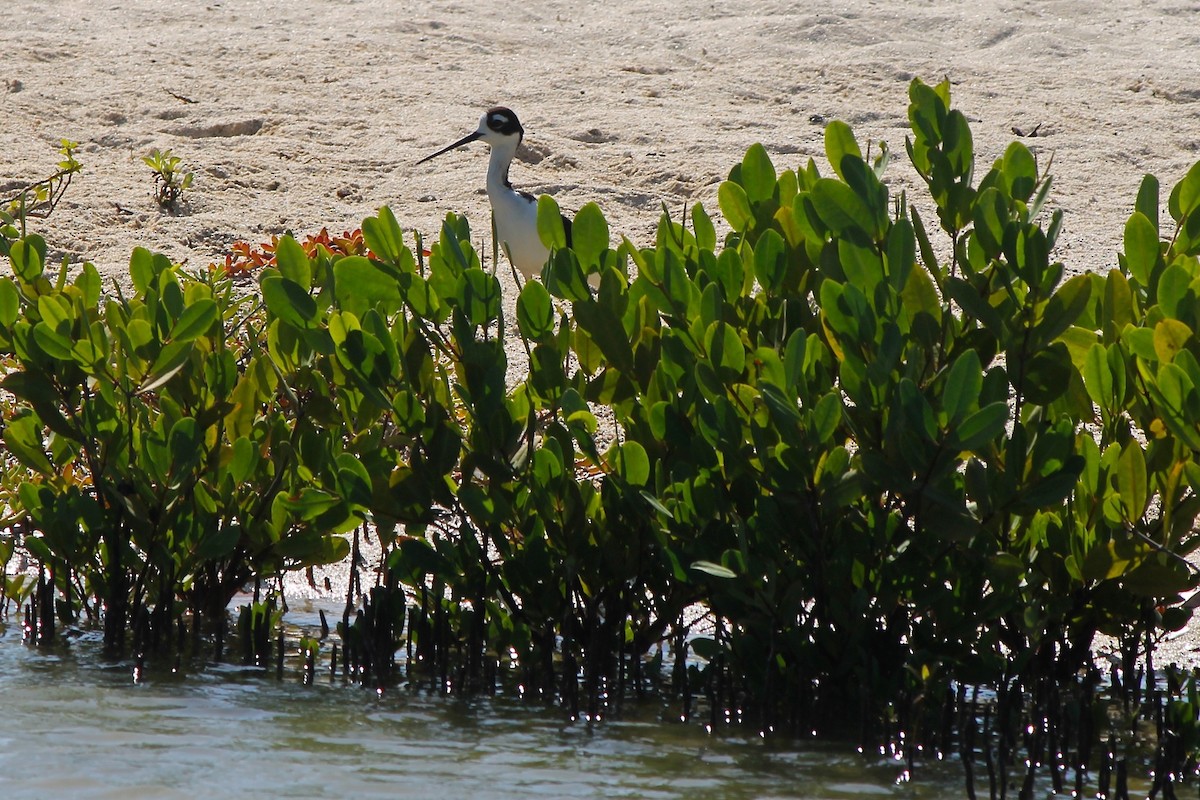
(169, 182)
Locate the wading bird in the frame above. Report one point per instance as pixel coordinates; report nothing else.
(514, 212)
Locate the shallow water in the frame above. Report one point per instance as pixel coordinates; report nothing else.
(74, 725)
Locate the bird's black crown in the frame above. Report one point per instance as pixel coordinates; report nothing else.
(503, 120)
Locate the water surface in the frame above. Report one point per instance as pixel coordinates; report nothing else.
(75, 725)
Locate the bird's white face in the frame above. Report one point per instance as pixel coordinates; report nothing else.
(499, 127)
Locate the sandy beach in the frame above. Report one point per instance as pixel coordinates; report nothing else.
(294, 116)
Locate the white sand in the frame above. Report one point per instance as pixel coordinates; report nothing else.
(300, 115)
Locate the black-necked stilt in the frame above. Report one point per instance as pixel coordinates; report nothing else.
(514, 212)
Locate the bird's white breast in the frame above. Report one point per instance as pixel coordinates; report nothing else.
(516, 229)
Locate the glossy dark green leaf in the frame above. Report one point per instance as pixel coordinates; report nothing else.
(195, 321)
(964, 383)
(982, 426)
(1147, 199)
(292, 262)
(359, 285)
(991, 216)
(1158, 578)
(725, 350)
(839, 208)
(1019, 170)
(550, 223)
(52, 343)
(383, 236)
(1132, 481)
(141, 269)
(589, 235)
(1141, 247)
(758, 174)
(713, 569)
(535, 311)
(839, 145)
(218, 542)
(632, 463)
(28, 257)
(606, 330)
(171, 359)
(478, 296)
(770, 264)
(10, 302)
(1063, 309)
(826, 416)
(23, 438)
(730, 273)
(735, 206)
(1046, 374)
(288, 301)
(706, 234)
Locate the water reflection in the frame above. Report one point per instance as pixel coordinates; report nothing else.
(75, 726)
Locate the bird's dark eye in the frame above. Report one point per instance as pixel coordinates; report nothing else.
(497, 121)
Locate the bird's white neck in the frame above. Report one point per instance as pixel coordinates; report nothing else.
(502, 156)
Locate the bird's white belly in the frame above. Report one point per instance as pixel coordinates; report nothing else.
(516, 229)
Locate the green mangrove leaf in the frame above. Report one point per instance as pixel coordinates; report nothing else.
(1047, 374)
(770, 265)
(359, 285)
(1098, 376)
(843, 211)
(1185, 197)
(293, 262)
(706, 233)
(1063, 309)
(218, 542)
(1132, 483)
(383, 236)
(1158, 577)
(195, 321)
(10, 302)
(535, 311)
(964, 382)
(23, 438)
(758, 174)
(715, 570)
(478, 295)
(550, 223)
(171, 359)
(28, 257)
(52, 343)
(826, 416)
(982, 426)
(1170, 336)
(735, 206)
(840, 144)
(1147, 199)
(725, 350)
(1141, 247)
(90, 285)
(605, 329)
(141, 269)
(632, 463)
(288, 301)
(1018, 167)
(589, 235)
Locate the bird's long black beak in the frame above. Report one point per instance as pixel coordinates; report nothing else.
(465, 140)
